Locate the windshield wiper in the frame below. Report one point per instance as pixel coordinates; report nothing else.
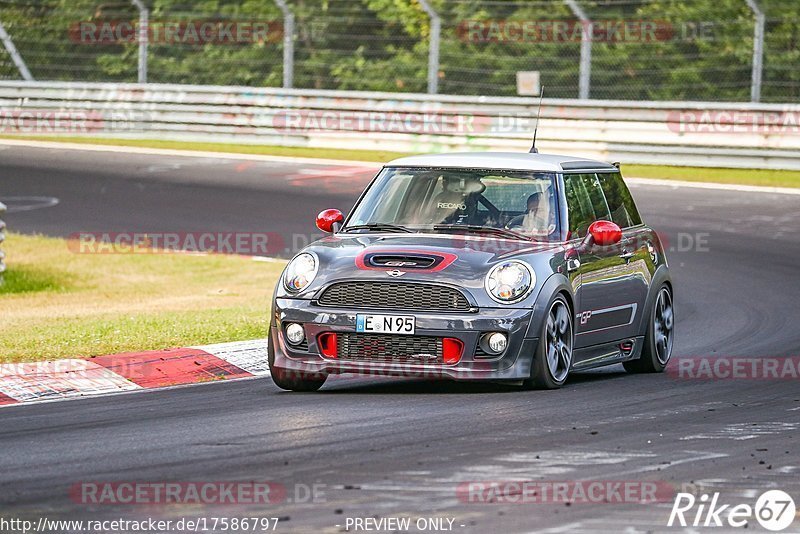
(477, 229)
(381, 227)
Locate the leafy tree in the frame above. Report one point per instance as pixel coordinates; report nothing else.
(703, 51)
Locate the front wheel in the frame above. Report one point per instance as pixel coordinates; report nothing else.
(553, 358)
(293, 380)
(659, 338)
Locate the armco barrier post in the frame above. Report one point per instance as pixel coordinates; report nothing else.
(144, 37)
(758, 50)
(288, 44)
(433, 52)
(585, 77)
(2, 238)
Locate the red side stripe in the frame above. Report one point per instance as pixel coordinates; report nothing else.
(5, 399)
(170, 367)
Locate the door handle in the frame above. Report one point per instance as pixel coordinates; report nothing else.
(573, 265)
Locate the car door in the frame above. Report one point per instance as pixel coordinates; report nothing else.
(637, 241)
(607, 294)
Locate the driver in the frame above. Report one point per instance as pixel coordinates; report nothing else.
(539, 219)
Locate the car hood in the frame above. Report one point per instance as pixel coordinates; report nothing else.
(460, 260)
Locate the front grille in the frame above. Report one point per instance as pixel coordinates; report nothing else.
(393, 295)
(480, 353)
(387, 347)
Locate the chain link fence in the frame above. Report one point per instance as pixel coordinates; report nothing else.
(708, 50)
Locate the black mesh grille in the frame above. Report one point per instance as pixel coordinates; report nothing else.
(385, 347)
(480, 353)
(390, 295)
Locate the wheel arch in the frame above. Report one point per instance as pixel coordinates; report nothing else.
(556, 284)
(660, 277)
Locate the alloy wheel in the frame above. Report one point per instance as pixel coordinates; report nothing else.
(663, 325)
(559, 341)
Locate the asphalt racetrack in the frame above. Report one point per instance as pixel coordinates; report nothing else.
(400, 447)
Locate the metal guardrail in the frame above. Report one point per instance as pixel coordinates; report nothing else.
(674, 133)
(2, 239)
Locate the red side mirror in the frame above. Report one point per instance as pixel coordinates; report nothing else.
(605, 233)
(326, 219)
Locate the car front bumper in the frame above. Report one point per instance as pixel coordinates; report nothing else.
(513, 364)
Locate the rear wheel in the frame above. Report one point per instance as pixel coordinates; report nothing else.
(553, 358)
(293, 380)
(659, 338)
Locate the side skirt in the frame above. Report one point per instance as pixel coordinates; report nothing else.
(608, 353)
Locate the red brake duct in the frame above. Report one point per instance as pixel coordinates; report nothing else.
(452, 349)
(328, 345)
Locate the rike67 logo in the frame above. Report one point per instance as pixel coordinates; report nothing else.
(774, 510)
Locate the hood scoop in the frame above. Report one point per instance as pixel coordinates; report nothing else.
(402, 261)
(398, 259)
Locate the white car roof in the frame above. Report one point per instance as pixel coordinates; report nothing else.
(502, 160)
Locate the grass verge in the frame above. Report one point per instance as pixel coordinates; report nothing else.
(762, 177)
(59, 304)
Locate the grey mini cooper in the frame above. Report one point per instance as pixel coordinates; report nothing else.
(477, 266)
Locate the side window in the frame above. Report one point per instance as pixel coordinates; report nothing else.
(585, 202)
(620, 201)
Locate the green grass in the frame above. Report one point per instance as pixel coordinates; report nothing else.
(762, 177)
(59, 304)
(29, 279)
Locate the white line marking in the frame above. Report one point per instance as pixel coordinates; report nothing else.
(701, 456)
(675, 184)
(267, 259)
(17, 204)
(570, 527)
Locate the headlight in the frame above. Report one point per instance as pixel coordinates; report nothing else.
(300, 272)
(510, 281)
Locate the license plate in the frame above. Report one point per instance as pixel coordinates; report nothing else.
(386, 324)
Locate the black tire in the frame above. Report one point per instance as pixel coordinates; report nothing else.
(543, 375)
(293, 380)
(659, 337)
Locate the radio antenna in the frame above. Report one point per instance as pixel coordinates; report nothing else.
(533, 149)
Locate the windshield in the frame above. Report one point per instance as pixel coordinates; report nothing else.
(517, 204)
